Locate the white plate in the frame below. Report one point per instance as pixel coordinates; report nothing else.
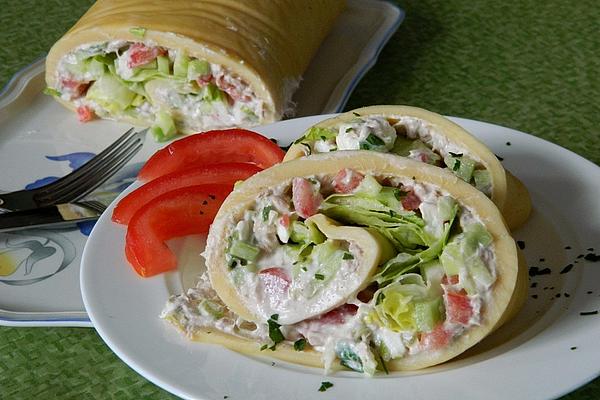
(39, 269)
(549, 349)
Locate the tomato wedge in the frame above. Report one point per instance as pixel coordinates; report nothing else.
(226, 174)
(212, 147)
(185, 211)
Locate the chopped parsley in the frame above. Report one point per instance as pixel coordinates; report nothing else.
(320, 277)
(375, 140)
(264, 347)
(347, 256)
(456, 165)
(299, 344)
(265, 213)
(274, 333)
(380, 298)
(325, 385)
(51, 91)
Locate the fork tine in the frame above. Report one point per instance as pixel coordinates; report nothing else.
(95, 172)
(90, 165)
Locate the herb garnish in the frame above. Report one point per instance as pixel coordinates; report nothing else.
(356, 114)
(299, 344)
(265, 212)
(325, 385)
(456, 165)
(347, 256)
(380, 298)
(138, 31)
(375, 140)
(274, 333)
(319, 277)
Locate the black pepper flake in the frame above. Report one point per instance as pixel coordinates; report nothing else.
(580, 256)
(545, 287)
(589, 312)
(521, 244)
(557, 295)
(574, 348)
(324, 386)
(201, 212)
(567, 295)
(567, 247)
(225, 397)
(542, 259)
(534, 296)
(499, 158)
(508, 143)
(566, 269)
(592, 257)
(204, 202)
(535, 271)
(212, 196)
(533, 284)
(590, 249)
(273, 364)
(273, 140)
(551, 287)
(589, 292)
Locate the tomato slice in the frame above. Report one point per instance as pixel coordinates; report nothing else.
(226, 174)
(436, 339)
(185, 211)
(347, 180)
(305, 197)
(213, 147)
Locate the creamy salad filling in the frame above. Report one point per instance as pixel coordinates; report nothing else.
(142, 80)
(430, 287)
(403, 135)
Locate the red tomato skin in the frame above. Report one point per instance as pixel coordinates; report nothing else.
(176, 213)
(347, 180)
(275, 281)
(226, 174)
(337, 315)
(212, 147)
(458, 308)
(140, 54)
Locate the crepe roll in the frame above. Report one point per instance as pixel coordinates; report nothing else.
(188, 66)
(426, 137)
(355, 259)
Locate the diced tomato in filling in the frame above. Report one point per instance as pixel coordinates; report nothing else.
(140, 54)
(411, 201)
(450, 280)
(305, 197)
(77, 88)
(337, 315)
(232, 90)
(275, 280)
(436, 339)
(347, 180)
(285, 220)
(204, 80)
(458, 307)
(85, 114)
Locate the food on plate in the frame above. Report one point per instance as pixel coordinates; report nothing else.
(187, 66)
(180, 212)
(354, 259)
(226, 173)
(213, 147)
(426, 137)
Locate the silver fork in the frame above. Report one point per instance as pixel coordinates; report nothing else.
(80, 182)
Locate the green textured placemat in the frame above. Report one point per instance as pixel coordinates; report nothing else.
(529, 65)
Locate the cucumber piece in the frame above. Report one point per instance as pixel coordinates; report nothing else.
(433, 272)
(212, 93)
(403, 146)
(180, 65)
(302, 232)
(96, 68)
(110, 93)
(164, 127)
(243, 250)
(207, 307)
(462, 166)
(427, 314)
(197, 68)
(163, 64)
(452, 258)
(315, 133)
(483, 181)
(368, 186)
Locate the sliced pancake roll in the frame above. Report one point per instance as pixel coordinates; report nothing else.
(354, 259)
(423, 136)
(188, 66)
